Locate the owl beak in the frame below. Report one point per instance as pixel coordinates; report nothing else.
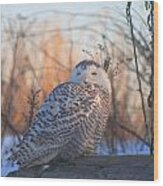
(85, 81)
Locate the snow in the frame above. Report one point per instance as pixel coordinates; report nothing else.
(6, 166)
(130, 147)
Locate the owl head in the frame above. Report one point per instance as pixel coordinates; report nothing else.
(90, 72)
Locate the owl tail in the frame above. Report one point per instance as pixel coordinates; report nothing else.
(8, 166)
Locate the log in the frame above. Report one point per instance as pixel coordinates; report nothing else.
(137, 167)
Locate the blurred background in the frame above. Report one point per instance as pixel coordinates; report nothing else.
(41, 43)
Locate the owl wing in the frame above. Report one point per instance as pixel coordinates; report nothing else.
(62, 117)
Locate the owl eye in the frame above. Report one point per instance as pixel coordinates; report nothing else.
(78, 73)
(94, 73)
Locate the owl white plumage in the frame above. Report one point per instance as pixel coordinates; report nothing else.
(71, 121)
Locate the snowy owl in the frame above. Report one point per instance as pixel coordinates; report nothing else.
(71, 121)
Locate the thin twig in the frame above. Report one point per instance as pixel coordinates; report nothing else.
(132, 132)
(129, 18)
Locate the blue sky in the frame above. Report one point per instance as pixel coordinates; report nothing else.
(27, 9)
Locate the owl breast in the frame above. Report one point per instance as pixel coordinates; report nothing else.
(91, 125)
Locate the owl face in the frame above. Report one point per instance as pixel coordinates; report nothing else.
(91, 73)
